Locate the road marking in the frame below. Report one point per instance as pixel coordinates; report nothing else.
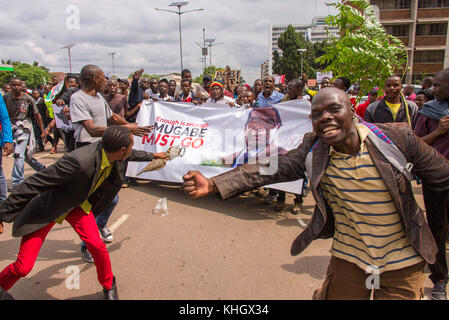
(301, 222)
(119, 221)
(52, 156)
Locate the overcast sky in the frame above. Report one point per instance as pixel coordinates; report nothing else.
(143, 37)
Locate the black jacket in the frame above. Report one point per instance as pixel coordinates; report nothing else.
(48, 194)
(379, 112)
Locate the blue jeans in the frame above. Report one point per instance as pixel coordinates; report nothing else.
(102, 218)
(20, 157)
(3, 189)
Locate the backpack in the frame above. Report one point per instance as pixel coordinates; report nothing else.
(384, 145)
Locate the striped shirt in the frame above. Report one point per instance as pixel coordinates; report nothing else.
(368, 228)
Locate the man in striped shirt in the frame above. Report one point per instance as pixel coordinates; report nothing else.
(362, 201)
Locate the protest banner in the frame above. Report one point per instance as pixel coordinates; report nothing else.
(61, 119)
(279, 79)
(54, 92)
(218, 138)
(234, 76)
(321, 75)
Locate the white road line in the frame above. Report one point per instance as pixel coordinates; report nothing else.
(119, 221)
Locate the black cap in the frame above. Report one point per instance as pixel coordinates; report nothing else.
(123, 81)
(207, 77)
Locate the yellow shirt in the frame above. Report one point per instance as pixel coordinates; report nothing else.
(394, 108)
(368, 228)
(49, 105)
(105, 171)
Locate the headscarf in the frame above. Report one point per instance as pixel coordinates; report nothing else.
(435, 109)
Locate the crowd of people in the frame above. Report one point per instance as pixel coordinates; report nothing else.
(359, 161)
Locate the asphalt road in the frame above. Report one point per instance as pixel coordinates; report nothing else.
(204, 249)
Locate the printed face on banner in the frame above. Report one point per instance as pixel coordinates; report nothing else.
(218, 138)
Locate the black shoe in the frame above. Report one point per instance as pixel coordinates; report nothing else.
(270, 199)
(439, 291)
(279, 205)
(86, 255)
(133, 182)
(111, 294)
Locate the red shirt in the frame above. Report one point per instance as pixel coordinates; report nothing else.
(360, 110)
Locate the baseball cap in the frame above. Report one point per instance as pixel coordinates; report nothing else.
(207, 77)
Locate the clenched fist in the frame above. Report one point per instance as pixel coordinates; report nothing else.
(196, 185)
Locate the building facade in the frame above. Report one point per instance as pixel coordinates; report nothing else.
(317, 31)
(422, 25)
(264, 72)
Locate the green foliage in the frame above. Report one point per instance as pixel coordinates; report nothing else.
(210, 71)
(33, 75)
(365, 52)
(146, 75)
(290, 61)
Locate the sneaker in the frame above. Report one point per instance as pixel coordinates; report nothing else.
(106, 235)
(297, 207)
(270, 199)
(86, 255)
(439, 291)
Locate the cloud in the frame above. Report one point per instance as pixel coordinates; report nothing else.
(146, 38)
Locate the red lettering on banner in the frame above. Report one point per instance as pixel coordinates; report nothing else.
(195, 145)
(173, 140)
(157, 139)
(164, 140)
(183, 144)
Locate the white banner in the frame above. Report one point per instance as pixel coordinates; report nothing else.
(218, 138)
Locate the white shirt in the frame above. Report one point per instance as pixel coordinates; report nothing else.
(224, 100)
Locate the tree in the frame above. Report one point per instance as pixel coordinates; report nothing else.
(365, 52)
(33, 75)
(210, 71)
(289, 64)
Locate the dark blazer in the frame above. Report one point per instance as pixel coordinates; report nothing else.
(429, 166)
(48, 194)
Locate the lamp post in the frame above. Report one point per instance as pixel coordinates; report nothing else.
(179, 13)
(69, 46)
(302, 58)
(112, 54)
(210, 45)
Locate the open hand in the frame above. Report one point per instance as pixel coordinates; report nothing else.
(139, 131)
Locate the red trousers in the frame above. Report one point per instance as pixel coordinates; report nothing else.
(86, 227)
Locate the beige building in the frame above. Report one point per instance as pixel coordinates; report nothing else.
(422, 25)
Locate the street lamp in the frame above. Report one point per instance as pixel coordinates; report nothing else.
(179, 13)
(302, 57)
(203, 49)
(210, 45)
(112, 54)
(69, 46)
